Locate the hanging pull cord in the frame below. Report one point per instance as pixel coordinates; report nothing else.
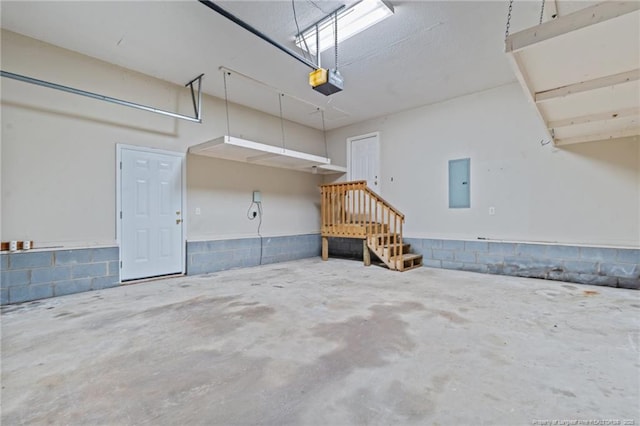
(280, 95)
(335, 34)
(324, 135)
(506, 32)
(542, 12)
(226, 99)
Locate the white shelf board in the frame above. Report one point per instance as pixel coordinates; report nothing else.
(331, 169)
(579, 59)
(237, 149)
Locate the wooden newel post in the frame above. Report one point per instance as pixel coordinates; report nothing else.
(325, 248)
(366, 256)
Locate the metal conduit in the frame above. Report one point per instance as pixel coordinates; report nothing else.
(198, 110)
(211, 5)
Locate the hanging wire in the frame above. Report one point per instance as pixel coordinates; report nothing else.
(335, 33)
(542, 12)
(280, 95)
(304, 39)
(226, 99)
(506, 32)
(324, 135)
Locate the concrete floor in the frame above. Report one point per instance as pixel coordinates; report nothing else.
(324, 343)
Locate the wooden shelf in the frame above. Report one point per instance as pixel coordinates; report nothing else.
(581, 72)
(246, 151)
(330, 169)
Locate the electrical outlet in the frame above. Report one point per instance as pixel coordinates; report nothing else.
(492, 211)
(198, 211)
(257, 197)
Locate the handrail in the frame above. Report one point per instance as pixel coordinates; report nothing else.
(369, 191)
(388, 204)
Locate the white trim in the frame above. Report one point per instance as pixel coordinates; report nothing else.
(206, 238)
(532, 242)
(378, 167)
(183, 202)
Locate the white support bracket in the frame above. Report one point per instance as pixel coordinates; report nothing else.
(50, 85)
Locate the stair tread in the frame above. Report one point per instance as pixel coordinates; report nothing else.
(411, 256)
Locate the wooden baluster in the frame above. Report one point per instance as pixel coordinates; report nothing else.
(369, 211)
(323, 206)
(352, 199)
(343, 212)
(402, 254)
(361, 211)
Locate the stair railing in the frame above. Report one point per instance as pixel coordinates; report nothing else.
(353, 210)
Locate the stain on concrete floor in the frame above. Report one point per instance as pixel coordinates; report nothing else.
(323, 343)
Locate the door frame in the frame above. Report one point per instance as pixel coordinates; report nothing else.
(357, 138)
(183, 199)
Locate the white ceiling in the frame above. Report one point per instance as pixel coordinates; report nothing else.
(428, 51)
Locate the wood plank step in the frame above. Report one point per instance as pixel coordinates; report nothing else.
(409, 261)
(411, 256)
(408, 268)
(392, 248)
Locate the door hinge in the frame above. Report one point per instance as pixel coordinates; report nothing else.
(120, 214)
(121, 264)
(121, 165)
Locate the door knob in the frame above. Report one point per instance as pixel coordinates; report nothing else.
(178, 213)
(178, 221)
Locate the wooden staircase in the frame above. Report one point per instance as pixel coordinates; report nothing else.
(353, 210)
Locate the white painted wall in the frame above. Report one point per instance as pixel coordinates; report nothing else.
(58, 153)
(580, 194)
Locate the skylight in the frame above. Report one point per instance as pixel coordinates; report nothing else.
(351, 21)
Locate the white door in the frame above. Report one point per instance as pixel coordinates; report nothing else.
(151, 229)
(364, 160)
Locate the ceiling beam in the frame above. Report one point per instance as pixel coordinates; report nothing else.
(585, 86)
(523, 78)
(592, 118)
(599, 137)
(574, 21)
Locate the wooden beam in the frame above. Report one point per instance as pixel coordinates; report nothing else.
(325, 248)
(366, 256)
(565, 24)
(585, 86)
(523, 78)
(551, 10)
(591, 118)
(599, 137)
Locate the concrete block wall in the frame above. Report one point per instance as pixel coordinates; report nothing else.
(35, 275)
(613, 267)
(218, 255)
(350, 248)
